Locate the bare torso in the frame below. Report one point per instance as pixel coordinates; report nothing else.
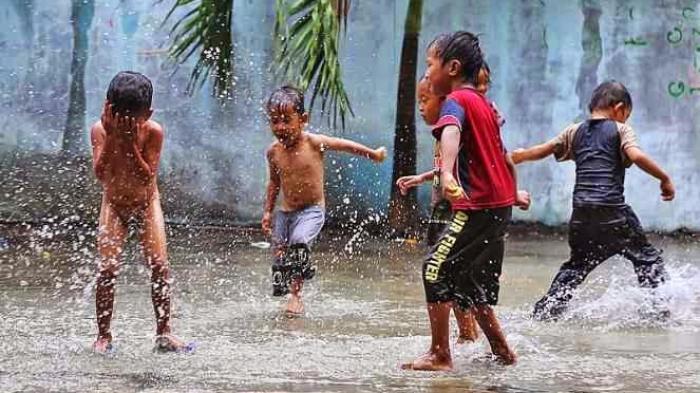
(301, 173)
(123, 189)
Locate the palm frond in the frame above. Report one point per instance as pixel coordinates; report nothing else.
(204, 29)
(307, 35)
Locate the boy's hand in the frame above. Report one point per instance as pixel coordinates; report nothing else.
(405, 183)
(668, 191)
(267, 223)
(379, 154)
(451, 190)
(522, 199)
(108, 122)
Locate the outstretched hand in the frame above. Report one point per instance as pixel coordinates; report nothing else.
(668, 190)
(379, 154)
(405, 183)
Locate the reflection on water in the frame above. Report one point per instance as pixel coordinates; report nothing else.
(365, 314)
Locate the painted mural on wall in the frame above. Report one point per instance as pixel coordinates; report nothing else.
(546, 57)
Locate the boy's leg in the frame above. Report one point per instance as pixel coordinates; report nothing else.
(480, 283)
(153, 242)
(304, 227)
(110, 240)
(466, 324)
(281, 282)
(438, 357)
(591, 243)
(647, 261)
(449, 257)
(488, 322)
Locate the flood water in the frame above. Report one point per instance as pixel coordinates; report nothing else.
(365, 315)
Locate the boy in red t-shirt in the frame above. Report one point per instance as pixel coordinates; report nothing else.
(478, 177)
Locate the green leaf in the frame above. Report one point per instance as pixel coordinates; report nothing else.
(204, 30)
(306, 40)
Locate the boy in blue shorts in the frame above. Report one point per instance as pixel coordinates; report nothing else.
(296, 169)
(601, 225)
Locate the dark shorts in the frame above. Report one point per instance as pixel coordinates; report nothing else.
(440, 217)
(293, 234)
(464, 265)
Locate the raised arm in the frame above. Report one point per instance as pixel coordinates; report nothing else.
(273, 190)
(533, 153)
(348, 146)
(149, 159)
(648, 165)
(98, 141)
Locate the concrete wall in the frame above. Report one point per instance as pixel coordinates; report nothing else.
(546, 57)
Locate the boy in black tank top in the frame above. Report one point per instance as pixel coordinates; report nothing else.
(601, 225)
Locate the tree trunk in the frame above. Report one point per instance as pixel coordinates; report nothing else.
(73, 135)
(403, 208)
(592, 46)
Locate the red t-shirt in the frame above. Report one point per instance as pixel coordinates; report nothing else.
(480, 167)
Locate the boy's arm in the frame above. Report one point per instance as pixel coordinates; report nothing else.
(648, 165)
(147, 168)
(560, 147)
(273, 190)
(348, 146)
(98, 141)
(449, 148)
(533, 153)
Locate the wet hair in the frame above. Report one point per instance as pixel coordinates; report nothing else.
(487, 70)
(130, 93)
(286, 95)
(463, 46)
(609, 94)
(439, 43)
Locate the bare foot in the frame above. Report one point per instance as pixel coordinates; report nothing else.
(170, 343)
(103, 345)
(295, 307)
(505, 357)
(430, 362)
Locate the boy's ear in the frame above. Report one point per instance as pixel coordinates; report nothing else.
(453, 67)
(305, 118)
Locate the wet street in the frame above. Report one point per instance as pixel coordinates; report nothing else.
(365, 315)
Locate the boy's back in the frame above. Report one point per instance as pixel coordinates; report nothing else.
(597, 146)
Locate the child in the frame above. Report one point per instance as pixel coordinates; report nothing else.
(296, 168)
(126, 147)
(601, 225)
(478, 178)
(429, 108)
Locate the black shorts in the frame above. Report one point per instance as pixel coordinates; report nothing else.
(464, 266)
(440, 217)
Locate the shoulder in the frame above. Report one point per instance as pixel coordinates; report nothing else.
(571, 128)
(317, 141)
(154, 130)
(272, 150)
(624, 128)
(97, 129)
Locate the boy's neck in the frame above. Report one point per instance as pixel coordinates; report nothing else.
(600, 114)
(461, 84)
